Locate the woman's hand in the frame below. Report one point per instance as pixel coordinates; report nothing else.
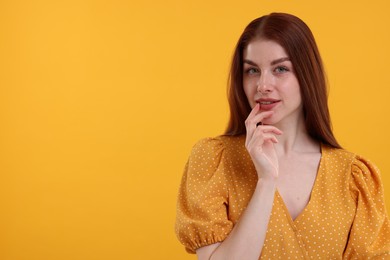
(260, 141)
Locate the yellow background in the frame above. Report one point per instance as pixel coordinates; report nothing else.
(101, 102)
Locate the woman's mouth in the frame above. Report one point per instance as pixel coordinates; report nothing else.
(267, 104)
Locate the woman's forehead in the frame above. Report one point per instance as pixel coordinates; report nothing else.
(264, 51)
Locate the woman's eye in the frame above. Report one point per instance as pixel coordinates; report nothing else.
(252, 71)
(281, 69)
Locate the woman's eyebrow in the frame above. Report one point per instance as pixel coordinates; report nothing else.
(279, 60)
(250, 62)
(272, 62)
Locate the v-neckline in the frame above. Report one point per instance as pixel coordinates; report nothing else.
(312, 193)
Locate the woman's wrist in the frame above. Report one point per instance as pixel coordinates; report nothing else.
(270, 176)
(267, 182)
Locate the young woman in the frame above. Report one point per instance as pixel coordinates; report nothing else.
(278, 184)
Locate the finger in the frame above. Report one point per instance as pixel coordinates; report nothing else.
(249, 123)
(259, 146)
(259, 117)
(259, 138)
(262, 129)
(269, 128)
(254, 110)
(253, 119)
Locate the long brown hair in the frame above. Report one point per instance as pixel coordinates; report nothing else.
(298, 41)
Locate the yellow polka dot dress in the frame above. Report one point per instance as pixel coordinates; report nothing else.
(345, 218)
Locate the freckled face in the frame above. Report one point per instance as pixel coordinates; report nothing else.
(269, 80)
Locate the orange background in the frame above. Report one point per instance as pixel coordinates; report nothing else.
(101, 102)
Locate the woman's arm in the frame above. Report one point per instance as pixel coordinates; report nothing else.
(247, 237)
(369, 237)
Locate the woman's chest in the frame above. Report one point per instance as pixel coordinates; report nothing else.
(295, 184)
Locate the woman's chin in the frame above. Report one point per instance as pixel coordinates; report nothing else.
(267, 122)
(270, 121)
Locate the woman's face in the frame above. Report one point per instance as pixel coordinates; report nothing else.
(269, 80)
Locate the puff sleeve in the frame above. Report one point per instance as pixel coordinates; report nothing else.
(369, 236)
(202, 217)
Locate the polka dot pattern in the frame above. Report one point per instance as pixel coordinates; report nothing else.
(345, 218)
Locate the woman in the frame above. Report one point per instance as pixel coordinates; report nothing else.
(278, 184)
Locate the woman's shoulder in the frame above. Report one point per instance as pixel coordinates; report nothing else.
(220, 150)
(340, 153)
(346, 156)
(219, 143)
(358, 167)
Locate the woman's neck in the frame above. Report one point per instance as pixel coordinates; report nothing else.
(295, 138)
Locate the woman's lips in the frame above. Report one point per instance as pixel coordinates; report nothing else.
(268, 105)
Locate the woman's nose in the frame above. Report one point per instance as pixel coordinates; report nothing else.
(264, 84)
